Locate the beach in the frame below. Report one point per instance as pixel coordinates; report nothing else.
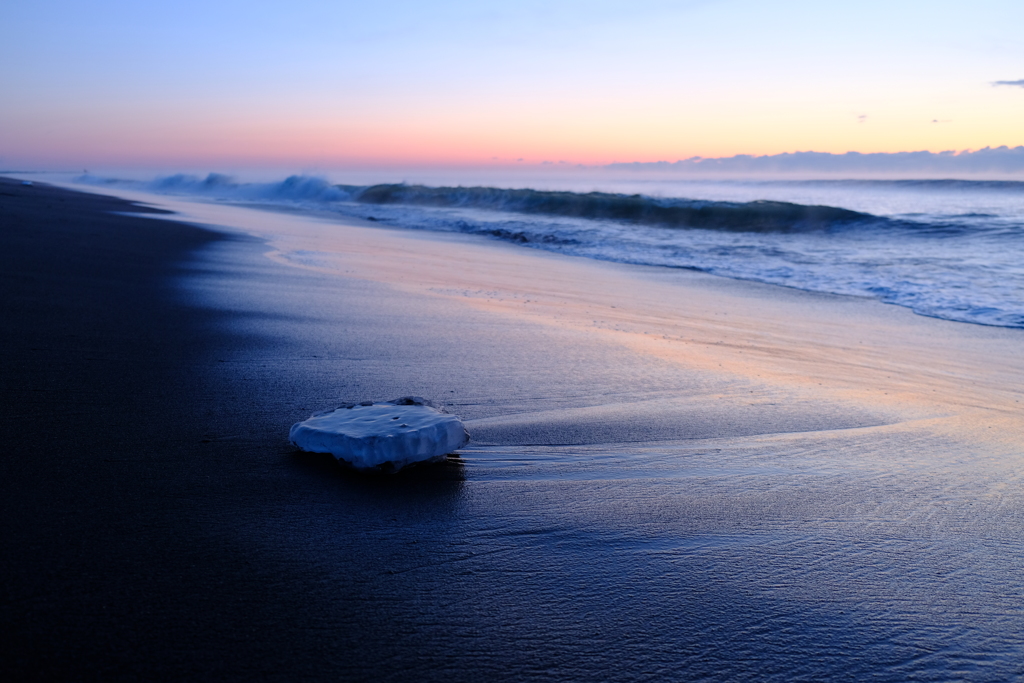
(672, 476)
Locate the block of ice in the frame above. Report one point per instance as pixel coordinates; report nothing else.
(371, 435)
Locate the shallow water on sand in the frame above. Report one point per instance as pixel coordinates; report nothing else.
(950, 249)
(674, 476)
(797, 557)
(624, 515)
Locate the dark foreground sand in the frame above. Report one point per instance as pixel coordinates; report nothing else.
(812, 489)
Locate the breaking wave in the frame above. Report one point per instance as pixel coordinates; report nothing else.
(947, 249)
(755, 216)
(220, 186)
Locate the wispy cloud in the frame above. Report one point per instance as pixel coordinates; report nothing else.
(1019, 84)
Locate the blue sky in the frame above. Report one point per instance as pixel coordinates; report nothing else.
(459, 82)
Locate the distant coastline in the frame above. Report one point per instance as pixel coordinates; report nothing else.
(990, 160)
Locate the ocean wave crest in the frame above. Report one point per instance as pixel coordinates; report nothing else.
(756, 216)
(296, 188)
(956, 254)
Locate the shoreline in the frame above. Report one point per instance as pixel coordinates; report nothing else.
(907, 259)
(670, 471)
(688, 310)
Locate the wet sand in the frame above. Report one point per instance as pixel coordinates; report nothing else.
(673, 476)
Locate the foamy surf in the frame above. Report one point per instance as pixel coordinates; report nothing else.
(946, 249)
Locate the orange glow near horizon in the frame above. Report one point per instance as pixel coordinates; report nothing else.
(488, 134)
(149, 84)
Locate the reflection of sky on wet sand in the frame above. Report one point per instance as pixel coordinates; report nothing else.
(788, 485)
(824, 555)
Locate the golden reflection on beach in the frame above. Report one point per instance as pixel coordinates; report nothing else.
(778, 344)
(692, 463)
(816, 345)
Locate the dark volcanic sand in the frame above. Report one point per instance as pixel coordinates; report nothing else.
(157, 525)
(105, 569)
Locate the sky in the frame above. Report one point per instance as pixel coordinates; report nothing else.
(313, 84)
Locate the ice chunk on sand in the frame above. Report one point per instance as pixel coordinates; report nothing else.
(369, 435)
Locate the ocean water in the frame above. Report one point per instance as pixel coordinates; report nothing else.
(825, 543)
(951, 249)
